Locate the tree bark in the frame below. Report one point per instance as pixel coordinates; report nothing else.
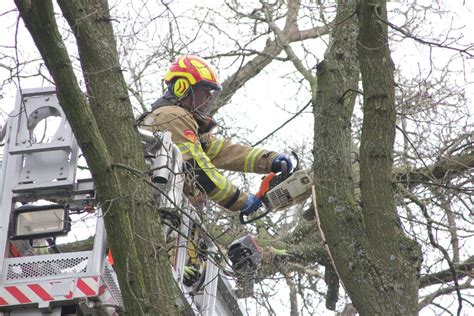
(100, 124)
(376, 262)
(337, 208)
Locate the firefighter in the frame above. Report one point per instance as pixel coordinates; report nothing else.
(184, 111)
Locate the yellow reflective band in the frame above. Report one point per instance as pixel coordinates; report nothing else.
(217, 178)
(184, 148)
(222, 194)
(215, 148)
(202, 160)
(225, 194)
(223, 185)
(207, 166)
(250, 159)
(192, 253)
(211, 148)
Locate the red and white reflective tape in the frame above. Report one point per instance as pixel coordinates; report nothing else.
(87, 287)
(43, 291)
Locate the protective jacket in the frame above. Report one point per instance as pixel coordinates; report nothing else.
(204, 153)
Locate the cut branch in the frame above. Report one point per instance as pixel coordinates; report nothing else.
(462, 270)
(445, 168)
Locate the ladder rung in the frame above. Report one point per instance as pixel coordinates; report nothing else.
(39, 148)
(35, 187)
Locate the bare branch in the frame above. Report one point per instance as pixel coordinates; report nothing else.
(462, 270)
(465, 50)
(436, 245)
(281, 37)
(272, 49)
(445, 168)
(443, 291)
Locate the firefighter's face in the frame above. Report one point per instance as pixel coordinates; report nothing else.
(202, 98)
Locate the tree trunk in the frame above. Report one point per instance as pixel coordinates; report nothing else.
(106, 134)
(376, 262)
(397, 255)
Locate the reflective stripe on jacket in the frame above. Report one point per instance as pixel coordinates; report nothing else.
(205, 153)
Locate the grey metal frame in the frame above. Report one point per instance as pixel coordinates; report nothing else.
(31, 171)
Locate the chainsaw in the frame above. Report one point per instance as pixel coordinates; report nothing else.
(281, 190)
(245, 256)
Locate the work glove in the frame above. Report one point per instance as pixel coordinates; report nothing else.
(277, 163)
(251, 205)
(191, 275)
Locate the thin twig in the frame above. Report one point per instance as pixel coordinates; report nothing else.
(435, 244)
(425, 42)
(286, 122)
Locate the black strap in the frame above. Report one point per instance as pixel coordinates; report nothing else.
(140, 119)
(234, 199)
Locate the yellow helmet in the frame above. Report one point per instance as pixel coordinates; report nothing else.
(195, 71)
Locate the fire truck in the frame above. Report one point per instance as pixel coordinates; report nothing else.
(42, 192)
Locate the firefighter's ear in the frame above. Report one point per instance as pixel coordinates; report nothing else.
(180, 88)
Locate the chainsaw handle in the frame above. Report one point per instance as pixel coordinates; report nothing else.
(284, 168)
(265, 185)
(253, 219)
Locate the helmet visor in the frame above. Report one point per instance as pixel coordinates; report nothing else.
(215, 94)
